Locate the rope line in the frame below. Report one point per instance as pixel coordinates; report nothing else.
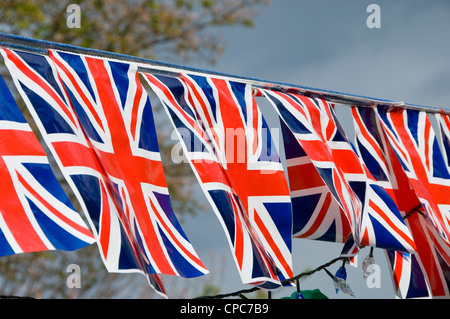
(241, 293)
(415, 210)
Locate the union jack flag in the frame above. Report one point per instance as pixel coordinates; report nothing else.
(35, 213)
(367, 206)
(229, 148)
(414, 142)
(316, 214)
(96, 118)
(295, 114)
(420, 274)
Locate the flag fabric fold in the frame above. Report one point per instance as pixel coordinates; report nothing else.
(369, 209)
(35, 212)
(415, 275)
(229, 147)
(97, 120)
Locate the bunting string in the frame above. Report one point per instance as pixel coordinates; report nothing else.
(241, 293)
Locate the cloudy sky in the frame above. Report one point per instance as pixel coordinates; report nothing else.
(326, 44)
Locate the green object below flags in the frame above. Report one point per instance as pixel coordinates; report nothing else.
(313, 294)
(308, 294)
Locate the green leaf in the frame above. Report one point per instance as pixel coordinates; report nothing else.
(308, 294)
(313, 294)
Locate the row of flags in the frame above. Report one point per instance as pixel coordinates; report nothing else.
(387, 189)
